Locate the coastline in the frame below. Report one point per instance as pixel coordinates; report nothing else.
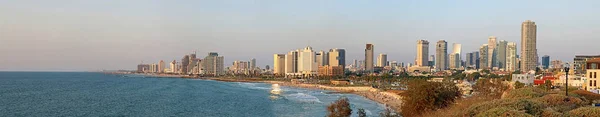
(389, 99)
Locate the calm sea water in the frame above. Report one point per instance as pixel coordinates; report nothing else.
(98, 94)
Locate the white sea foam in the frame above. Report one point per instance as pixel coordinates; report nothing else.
(253, 86)
(301, 97)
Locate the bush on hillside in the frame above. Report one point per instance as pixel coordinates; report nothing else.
(423, 96)
(490, 87)
(503, 112)
(588, 95)
(525, 93)
(339, 108)
(552, 113)
(586, 112)
(519, 85)
(557, 102)
(528, 106)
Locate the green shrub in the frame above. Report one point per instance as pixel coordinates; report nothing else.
(525, 93)
(503, 112)
(586, 112)
(528, 106)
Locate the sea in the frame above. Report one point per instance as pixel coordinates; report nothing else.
(51, 94)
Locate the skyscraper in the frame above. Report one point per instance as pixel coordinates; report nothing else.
(454, 59)
(173, 66)
(502, 51)
(369, 50)
(279, 64)
(528, 46)
(457, 53)
(161, 66)
(511, 57)
(469, 60)
(322, 58)
(441, 51)
(307, 64)
(483, 57)
(431, 60)
(545, 61)
(492, 53)
(382, 60)
(422, 53)
(291, 63)
(185, 61)
(252, 64)
(337, 57)
(213, 64)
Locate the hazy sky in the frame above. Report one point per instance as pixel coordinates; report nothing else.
(85, 35)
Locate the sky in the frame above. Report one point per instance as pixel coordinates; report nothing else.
(88, 35)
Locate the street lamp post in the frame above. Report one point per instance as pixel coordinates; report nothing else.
(567, 82)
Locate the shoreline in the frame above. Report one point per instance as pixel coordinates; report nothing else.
(389, 99)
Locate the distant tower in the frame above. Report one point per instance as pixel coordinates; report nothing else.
(279, 64)
(369, 51)
(161, 66)
(502, 54)
(382, 60)
(492, 52)
(337, 57)
(511, 56)
(528, 46)
(422, 53)
(483, 57)
(546, 61)
(441, 51)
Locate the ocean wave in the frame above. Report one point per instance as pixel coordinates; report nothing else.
(253, 86)
(302, 97)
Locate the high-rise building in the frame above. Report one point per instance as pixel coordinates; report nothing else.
(307, 64)
(253, 64)
(291, 63)
(528, 46)
(213, 64)
(441, 51)
(322, 58)
(191, 63)
(185, 61)
(422, 53)
(382, 60)
(492, 52)
(502, 51)
(337, 57)
(161, 66)
(355, 63)
(511, 57)
(369, 51)
(455, 61)
(469, 60)
(279, 64)
(173, 66)
(483, 57)
(545, 61)
(431, 60)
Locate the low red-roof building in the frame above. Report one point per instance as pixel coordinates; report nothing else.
(543, 80)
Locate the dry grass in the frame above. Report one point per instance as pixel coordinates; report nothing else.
(458, 108)
(588, 95)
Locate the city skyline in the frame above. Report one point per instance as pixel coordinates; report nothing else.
(120, 37)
